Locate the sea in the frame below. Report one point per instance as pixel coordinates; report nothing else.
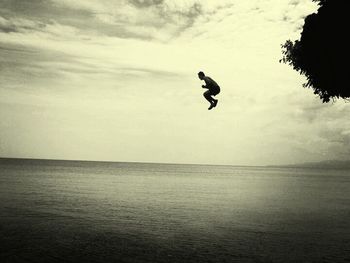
(79, 211)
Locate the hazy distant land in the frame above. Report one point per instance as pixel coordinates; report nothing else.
(329, 164)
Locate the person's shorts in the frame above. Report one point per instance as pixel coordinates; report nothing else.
(214, 91)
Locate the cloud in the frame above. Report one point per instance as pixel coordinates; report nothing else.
(19, 25)
(153, 19)
(146, 3)
(28, 28)
(138, 19)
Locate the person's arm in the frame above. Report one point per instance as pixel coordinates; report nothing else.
(207, 83)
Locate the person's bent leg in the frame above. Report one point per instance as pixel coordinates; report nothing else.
(215, 101)
(207, 96)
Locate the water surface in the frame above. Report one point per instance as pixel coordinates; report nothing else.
(63, 211)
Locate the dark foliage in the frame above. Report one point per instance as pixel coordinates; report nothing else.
(322, 53)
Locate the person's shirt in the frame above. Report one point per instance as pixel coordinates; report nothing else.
(210, 83)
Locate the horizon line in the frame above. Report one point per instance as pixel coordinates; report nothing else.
(140, 162)
(322, 164)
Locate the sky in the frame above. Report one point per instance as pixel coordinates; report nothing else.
(117, 81)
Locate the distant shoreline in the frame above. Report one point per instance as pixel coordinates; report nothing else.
(331, 164)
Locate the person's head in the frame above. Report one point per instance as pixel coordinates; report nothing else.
(201, 75)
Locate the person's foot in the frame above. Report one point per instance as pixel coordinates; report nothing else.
(215, 102)
(211, 106)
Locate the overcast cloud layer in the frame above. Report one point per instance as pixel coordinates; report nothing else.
(117, 80)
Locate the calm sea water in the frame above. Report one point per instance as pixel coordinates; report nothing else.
(60, 211)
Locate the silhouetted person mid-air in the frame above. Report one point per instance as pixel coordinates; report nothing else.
(213, 89)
